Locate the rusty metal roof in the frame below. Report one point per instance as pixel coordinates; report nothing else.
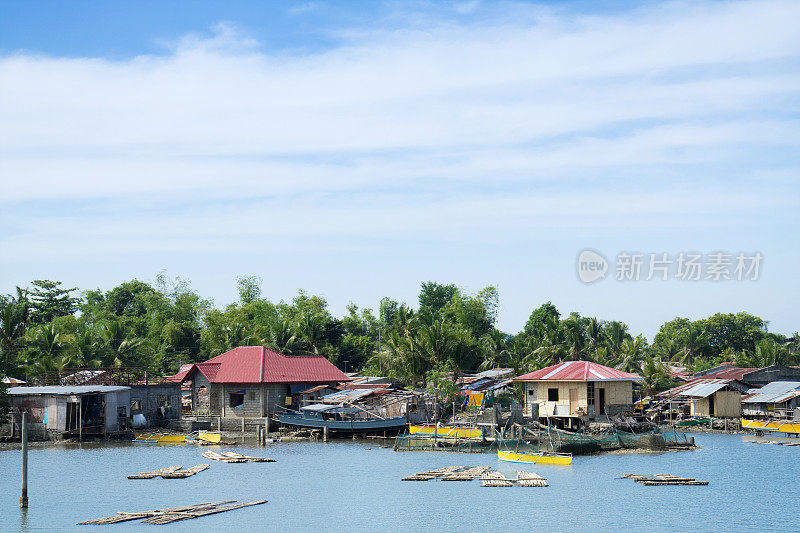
(578, 371)
(775, 392)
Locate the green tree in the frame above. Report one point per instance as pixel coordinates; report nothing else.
(48, 301)
(540, 320)
(434, 296)
(249, 288)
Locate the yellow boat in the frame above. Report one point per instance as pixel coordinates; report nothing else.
(446, 431)
(159, 438)
(542, 458)
(780, 427)
(207, 436)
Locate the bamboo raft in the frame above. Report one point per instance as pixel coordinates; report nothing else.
(466, 475)
(123, 516)
(231, 457)
(495, 479)
(531, 479)
(664, 479)
(188, 472)
(433, 474)
(155, 473)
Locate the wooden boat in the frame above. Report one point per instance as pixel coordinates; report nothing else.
(776, 426)
(546, 458)
(159, 438)
(446, 431)
(693, 422)
(340, 419)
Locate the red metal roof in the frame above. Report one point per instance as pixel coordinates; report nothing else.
(728, 373)
(578, 371)
(258, 364)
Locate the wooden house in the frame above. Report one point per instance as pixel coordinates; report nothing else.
(577, 390)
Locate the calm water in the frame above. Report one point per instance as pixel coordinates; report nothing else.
(356, 486)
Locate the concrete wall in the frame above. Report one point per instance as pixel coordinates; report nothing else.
(151, 397)
(259, 399)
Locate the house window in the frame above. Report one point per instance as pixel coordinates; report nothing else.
(136, 405)
(251, 395)
(236, 399)
(552, 395)
(531, 392)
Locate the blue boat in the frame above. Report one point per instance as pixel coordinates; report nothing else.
(340, 419)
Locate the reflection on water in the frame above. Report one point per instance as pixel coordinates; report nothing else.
(347, 486)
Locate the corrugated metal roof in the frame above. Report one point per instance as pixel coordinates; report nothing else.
(258, 364)
(703, 390)
(726, 372)
(318, 407)
(579, 371)
(775, 392)
(680, 390)
(65, 390)
(351, 395)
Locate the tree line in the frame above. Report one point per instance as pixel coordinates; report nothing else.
(46, 328)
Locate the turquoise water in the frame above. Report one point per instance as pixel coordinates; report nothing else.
(356, 486)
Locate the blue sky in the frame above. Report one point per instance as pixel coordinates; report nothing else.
(358, 149)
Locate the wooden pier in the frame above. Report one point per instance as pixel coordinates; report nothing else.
(188, 472)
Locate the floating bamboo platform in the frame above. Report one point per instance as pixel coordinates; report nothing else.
(188, 472)
(168, 518)
(155, 473)
(122, 516)
(466, 475)
(433, 474)
(495, 479)
(231, 457)
(531, 479)
(664, 479)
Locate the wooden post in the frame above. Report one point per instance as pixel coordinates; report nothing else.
(219, 423)
(80, 418)
(243, 428)
(325, 433)
(23, 500)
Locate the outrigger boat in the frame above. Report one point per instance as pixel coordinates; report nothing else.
(159, 438)
(446, 431)
(693, 422)
(544, 458)
(340, 419)
(775, 426)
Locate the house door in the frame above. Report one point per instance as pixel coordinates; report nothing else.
(601, 401)
(573, 401)
(711, 405)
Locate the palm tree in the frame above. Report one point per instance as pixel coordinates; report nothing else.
(575, 338)
(614, 333)
(120, 349)
(631, 352)
(656, 376)
(694, 341)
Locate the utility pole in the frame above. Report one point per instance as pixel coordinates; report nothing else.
(23, 500)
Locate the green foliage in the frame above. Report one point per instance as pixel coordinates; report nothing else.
(159, 326)
(434, 296)
(48, 301)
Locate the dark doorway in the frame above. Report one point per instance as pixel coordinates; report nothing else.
(71, 423)
(711, 405)
(601, 401)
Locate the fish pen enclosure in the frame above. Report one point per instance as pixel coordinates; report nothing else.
(550, 440)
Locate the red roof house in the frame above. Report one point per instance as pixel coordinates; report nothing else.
(577, 391)
(254, 380)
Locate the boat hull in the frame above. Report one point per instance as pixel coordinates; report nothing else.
(159, 438)
(534, 458)
(780, 427)
(446, 431)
